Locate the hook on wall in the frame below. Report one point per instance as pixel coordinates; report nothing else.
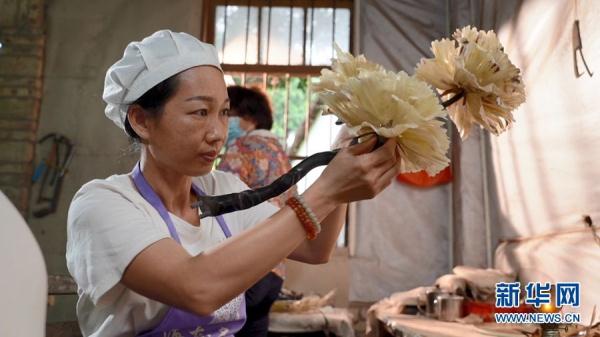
(578, 46)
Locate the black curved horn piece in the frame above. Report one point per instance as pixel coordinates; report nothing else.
(221, 204)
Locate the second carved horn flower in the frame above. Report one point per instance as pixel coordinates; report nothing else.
(474, 67)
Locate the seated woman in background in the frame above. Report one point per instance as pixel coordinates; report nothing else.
(257, 157)
(253, 152)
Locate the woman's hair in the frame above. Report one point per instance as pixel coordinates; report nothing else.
(253, 104)
(153, 101)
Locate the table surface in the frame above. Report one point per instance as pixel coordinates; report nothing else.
(335, 320)
(420, 326)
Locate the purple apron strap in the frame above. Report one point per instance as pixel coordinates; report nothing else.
(148, 193)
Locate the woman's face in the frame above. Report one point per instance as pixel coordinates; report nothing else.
(192, 128)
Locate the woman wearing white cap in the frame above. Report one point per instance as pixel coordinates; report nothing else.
(144, 263)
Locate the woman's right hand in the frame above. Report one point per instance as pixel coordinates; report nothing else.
(357, 174)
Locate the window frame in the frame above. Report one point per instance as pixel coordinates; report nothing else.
(208, 32)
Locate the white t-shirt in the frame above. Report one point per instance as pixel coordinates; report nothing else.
(109, 223)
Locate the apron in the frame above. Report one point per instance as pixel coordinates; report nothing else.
(226, 321)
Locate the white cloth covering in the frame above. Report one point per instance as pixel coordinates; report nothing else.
(392, 305)
(419, 326)
(24, 284)
(109, 223)
(335, 320)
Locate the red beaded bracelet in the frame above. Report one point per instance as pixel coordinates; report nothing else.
(311, 228)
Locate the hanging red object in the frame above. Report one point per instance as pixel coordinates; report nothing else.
(422, 179)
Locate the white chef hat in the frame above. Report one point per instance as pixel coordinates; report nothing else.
(148, 62)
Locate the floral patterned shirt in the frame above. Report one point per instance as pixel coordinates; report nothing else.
(258, 159)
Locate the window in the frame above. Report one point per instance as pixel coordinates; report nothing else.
(281, 46)
(285, 36)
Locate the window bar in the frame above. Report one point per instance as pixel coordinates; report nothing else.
(307, 118)
(264, 82)
(312, 27)
(290, 35)
(333, 30)
(269, 33)
(247, 31)
(224, 31)
(259, 37)
(305, 17)
(286, 110)
(243, 79)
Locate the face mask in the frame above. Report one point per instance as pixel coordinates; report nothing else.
(234, 130)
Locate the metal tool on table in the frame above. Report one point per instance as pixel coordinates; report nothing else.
(52, 172)
(426, 301)
(449, 307)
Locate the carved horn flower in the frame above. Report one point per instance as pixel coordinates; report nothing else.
(475, 66)
(367, 98)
